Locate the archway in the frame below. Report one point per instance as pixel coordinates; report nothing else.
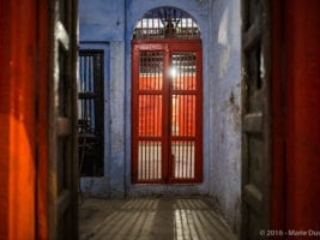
(166, 98)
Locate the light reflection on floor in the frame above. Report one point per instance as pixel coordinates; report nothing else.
(148, 219)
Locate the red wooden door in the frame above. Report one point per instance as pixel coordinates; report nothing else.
(167, 112)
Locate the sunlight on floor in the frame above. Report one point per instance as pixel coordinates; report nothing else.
(148, 219)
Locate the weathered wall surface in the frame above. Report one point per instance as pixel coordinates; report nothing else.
(199, 10)
(102, 26)
(109, 25)
(102, 20)
(112, 22)
(225, 104)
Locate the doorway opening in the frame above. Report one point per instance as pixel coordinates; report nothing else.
(166, 98)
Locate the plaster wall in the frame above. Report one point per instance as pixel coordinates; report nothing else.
(225, 105)
(102, 26)
(111, 22)
(199, 10)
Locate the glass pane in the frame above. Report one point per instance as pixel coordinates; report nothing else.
(86, 73)
(183, 118)
(150, 70)
(150, 115)
(183, 71)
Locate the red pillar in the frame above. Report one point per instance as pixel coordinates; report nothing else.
(303, 114)
(24, 48)
(296, 115)
(18, 120)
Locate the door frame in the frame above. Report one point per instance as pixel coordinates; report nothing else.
(168, 46)
(63, 124)
(256, 118)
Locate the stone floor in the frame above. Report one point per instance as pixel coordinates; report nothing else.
(151, 219)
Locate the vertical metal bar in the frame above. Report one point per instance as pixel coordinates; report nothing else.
(85, 74)
(88, 75)
(155, 114)
(148, 160)
(152, 24)
(142, 115)
(186, 134)
(188, 165)
(158, 161)
(149, 121)
(191, 150)
(155, 127)
(151, 160)
(85, 85)
(186, 106)
(192, 132)
(140, 131)
(195, 133)
(178, 114)
(152, 118)
(180, 158)
(157, 67)
(180, 67)
(145, 101)
(152, 133)
(192, 27)
(90, 88)
(143, 159)
(139, 154)
(149, 62)
(91, 73)
(190, 73)
(148, 28)
(181, 88)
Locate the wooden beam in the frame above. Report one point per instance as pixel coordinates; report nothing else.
(253, 122)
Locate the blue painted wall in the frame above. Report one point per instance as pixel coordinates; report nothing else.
(111, 23)
(135, 10)
(225, 85)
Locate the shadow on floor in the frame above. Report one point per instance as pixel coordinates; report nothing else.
(151, 219)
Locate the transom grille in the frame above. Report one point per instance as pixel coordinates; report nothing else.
(166, 22)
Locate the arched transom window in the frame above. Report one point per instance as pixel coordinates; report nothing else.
(166, 22)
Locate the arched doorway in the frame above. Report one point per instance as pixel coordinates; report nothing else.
(166, 98)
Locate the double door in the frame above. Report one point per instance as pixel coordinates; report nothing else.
(167, 112)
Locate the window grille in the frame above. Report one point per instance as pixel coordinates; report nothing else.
(90, 112)
(166, 22)
(167, 112)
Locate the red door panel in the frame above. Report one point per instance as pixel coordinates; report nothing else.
(167, 112)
